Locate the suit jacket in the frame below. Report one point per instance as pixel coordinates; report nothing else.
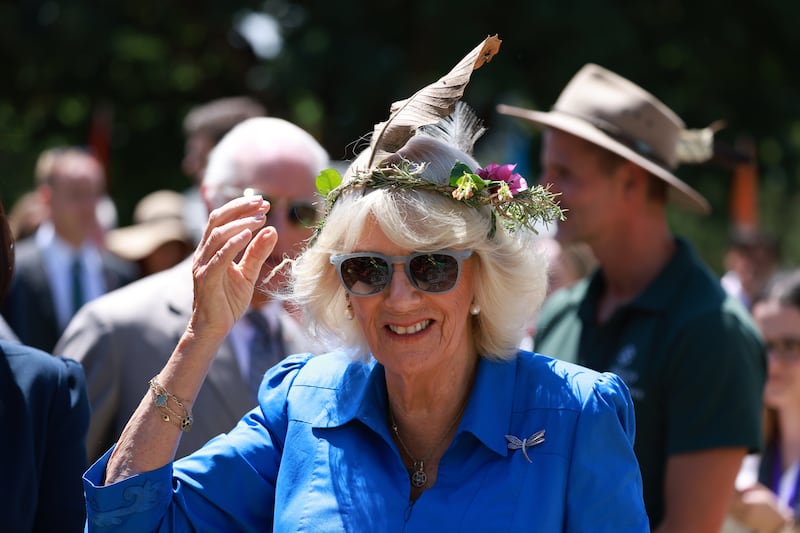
(125, 337)
(29, 309)
(44, 414)
(6, 333)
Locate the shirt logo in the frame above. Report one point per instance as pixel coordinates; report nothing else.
(621, 367)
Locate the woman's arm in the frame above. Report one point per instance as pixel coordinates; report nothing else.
(605, 484)
(227, 264)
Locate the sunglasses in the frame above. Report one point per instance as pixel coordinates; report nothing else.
(299, 213)
(369, 273)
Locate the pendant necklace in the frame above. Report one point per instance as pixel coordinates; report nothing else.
(417, 473)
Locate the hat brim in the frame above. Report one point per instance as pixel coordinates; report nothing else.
(680, 193)
(138, 241)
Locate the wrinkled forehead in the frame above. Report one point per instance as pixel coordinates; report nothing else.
(77, 167)
(288, 175)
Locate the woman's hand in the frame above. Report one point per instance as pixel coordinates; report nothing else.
(227, 263)
(758, 508)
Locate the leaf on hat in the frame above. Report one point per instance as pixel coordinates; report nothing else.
(429, 104)
(697, 146)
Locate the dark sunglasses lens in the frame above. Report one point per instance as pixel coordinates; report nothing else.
(365, 275)
(303, 214)
(434, 272)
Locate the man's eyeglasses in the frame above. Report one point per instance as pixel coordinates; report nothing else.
(369, 273)
(299, 213)
(785, 349)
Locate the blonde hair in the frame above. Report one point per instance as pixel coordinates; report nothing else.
(510, 274)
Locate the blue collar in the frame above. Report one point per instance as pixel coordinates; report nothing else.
(361, 395)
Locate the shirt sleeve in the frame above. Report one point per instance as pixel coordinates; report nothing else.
(201, 492)
(605, 485)
(714, 387)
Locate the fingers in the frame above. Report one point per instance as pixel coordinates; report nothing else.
(257, 253)
(225, 224)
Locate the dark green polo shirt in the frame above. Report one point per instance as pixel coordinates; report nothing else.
(689, 353)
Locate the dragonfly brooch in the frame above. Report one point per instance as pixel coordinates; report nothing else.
(515, 443)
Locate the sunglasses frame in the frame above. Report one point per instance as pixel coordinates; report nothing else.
(459, 255)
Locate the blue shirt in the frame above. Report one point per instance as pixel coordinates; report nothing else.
(317, 455)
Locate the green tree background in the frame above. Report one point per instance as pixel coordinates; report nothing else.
(337, 66)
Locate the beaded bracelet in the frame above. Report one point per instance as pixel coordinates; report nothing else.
(161, 398)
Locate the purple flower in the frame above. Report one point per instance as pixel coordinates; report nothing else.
(495, 172)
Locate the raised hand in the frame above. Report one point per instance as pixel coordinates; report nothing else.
(228, 261)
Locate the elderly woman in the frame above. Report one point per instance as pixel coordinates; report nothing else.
(426, 417)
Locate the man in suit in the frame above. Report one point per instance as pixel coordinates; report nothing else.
(64, 264)
(44, 414)
(124, 338)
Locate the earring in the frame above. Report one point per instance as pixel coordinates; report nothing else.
(348, 311)
(474, 309)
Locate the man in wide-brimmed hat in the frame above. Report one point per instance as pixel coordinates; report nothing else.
(653, 312)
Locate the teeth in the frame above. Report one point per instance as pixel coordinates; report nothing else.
(408, 330)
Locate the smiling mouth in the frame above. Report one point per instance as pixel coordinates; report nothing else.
(410, 330)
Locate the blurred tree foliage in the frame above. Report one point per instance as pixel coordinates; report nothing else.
(335, 67)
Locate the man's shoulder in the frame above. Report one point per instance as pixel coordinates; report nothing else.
(37, 364)
(561, 382)
(148, 302)
(125, 271)
(562, 304)
(26, 254)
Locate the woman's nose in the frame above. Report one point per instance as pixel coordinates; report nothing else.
(400, 288)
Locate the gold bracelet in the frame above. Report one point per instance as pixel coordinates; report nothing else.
(161, 399)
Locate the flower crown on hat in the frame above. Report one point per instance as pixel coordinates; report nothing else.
(496, 186)
(436, 111)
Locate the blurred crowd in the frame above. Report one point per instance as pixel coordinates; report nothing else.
(114, 299)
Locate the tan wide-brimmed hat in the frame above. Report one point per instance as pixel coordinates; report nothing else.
(610, 111)
(158, 219)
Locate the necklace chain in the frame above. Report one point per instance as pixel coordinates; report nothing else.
(417, 474)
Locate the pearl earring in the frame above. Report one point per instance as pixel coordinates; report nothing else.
(474, 309)
(348, 312)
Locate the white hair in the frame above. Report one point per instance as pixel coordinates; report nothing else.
(269, 135)
(510, 271)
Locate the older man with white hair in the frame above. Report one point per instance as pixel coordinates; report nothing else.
(125, 337)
